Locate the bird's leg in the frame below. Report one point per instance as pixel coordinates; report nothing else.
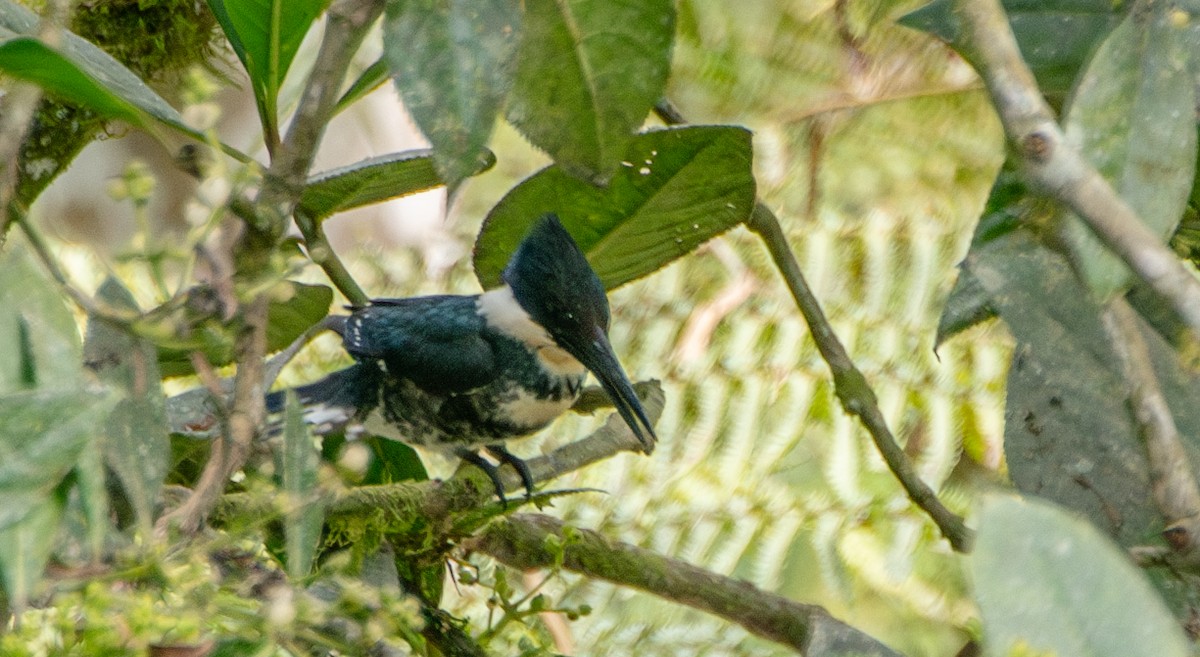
(501, 452)
(493, 473)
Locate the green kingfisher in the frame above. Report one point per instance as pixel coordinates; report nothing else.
(459, 373)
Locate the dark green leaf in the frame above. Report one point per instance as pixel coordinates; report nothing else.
(266, 34)
(36, 329)
(1069, 435)
(1048, 583)
(1055, 36)
(452, 61)
(375, 180)
(41, 436)
(587, 75)
(1132, 115)
(393, 461)
(287, 319)
(25, 547)
(676, 189)
(136, 444)
(302, 525)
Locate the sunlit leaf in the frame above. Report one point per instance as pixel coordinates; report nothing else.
(452, 61)
(675, 190)
(587, 75)
(1049, 583)
(1133, 116)
(375, 180)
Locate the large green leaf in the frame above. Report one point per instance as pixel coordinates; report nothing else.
(374, 180)
(266, 34)
(39, 340)
(452, 61)
(1048, 583)
(1132, 115)
(41, 436)
(1055, 36)
(676, 189)
(587, 75)
(302, 525)
(136, 444)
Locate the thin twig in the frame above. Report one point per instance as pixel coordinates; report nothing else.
(1051, 164)
(1175, 490)
(322, 253)
(525, 541)
(41, 248)
(851, 387)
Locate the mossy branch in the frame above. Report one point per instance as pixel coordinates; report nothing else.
(851, 387)
(528, 541)
(469, 488)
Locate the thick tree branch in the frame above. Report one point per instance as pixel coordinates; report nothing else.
(851, 387)
(1051, 164)
(521, 542)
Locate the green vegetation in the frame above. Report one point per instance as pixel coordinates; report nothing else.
(863, 450)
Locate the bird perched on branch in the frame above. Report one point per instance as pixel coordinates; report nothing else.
(457, 373)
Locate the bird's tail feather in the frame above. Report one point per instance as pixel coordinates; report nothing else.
(336, 400)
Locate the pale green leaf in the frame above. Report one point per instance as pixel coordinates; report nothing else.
(452, 61)
(25, 547)
(36, 328)
(1050, 583)
(302, 526)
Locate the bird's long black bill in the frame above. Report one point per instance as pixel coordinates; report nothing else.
(608, 371)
